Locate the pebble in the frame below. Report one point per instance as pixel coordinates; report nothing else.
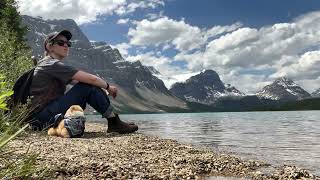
(99, 155)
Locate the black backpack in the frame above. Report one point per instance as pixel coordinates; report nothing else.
(21, 89)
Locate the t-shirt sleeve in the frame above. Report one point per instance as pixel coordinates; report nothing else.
(62, 72)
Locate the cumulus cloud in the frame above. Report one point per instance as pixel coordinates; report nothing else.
(155, 32)
(248, 47)
(181, 35)
(160, 62)
(123, 21)
(123, 48)
(79, 10)
(246, 83)
(310, 84)
(169, 74)
(233, 40)
(153, 16)
(304, 67)
(82, 11)
(133, 6)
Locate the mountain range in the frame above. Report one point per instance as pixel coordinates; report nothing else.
(140, 89)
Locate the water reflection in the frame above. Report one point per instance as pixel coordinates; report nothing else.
(184, 127)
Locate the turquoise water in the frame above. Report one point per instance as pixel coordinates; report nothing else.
(285, 137)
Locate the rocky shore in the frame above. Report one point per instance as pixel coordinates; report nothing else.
(99, 155)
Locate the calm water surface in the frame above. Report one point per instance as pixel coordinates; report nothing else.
(286, 137)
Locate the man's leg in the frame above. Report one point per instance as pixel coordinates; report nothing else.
(80, 94)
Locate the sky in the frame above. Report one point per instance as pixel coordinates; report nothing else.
(249, 43)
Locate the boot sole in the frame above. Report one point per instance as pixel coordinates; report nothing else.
(123, 131)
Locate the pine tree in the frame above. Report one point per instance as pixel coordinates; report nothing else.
(11, 19)
(15, 54)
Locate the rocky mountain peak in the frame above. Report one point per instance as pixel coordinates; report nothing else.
(205, 87)
(285, 82)
(316, 93)
(283, 89)
(111, 53)
(100, 44)
(153, 70)
(207, 78)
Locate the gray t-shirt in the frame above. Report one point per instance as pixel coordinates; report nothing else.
(49, 80)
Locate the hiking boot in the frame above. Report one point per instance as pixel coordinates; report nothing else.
(116, 125)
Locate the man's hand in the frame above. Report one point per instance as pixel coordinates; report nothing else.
(73, 82)
(112, 90)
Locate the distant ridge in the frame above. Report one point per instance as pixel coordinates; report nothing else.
(283, 89)
(204, 88)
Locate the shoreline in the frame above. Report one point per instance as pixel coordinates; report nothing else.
(137, 156)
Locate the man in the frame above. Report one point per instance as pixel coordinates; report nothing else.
(49, 82)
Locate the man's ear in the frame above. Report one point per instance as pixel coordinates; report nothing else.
(48, 46)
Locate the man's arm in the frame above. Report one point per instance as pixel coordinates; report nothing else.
(88, 78)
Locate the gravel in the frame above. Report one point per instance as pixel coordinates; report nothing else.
(101, 155)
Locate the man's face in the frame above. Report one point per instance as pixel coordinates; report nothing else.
(60, 46)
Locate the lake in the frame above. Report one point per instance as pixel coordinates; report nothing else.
(282, 137)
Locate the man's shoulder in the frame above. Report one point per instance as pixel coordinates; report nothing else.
(47, 61)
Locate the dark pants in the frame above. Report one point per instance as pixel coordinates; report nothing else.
(79, 94)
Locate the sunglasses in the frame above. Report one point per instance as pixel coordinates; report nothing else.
(62, 42)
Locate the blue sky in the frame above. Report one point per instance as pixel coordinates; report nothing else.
(207, 13)
(249, 43)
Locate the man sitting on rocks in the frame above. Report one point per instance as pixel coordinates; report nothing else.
(49, 82)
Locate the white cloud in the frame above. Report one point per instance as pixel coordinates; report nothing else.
(123, 48)
(310, 84)
(233, 40)
(181, 35)
(161, 63)
(246, 83)
(217, 30)
(156, 32)
(82, 11)
(153, 16)
(169, 74)
(170, 80)
(305, 67)
(134, 5)
(123, 21)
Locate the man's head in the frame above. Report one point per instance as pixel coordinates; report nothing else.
(57, 44)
